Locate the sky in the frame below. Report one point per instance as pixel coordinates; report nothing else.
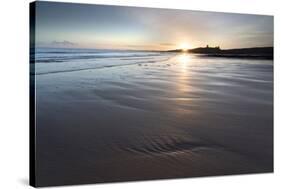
(70, 25)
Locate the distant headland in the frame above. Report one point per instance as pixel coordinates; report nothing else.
(255, 52)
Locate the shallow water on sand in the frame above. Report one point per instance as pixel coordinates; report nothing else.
(160, 116)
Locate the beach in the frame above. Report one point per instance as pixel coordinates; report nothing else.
(106, 116)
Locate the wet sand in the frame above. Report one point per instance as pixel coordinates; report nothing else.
(186, 116)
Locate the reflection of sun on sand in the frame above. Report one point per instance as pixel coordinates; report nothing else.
(183, 58)
(183, 83)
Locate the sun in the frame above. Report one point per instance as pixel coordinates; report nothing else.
(184, 46)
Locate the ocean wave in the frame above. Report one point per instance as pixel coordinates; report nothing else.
(93, 67)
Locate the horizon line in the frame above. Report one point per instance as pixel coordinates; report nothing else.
(34, 47)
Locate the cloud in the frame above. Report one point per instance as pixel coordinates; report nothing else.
(167, 44)
(64, 43)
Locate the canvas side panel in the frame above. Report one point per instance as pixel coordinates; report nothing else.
(32, 168)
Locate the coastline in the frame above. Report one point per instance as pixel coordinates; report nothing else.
(245, 53)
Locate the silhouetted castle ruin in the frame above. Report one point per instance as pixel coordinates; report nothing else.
(206, 50)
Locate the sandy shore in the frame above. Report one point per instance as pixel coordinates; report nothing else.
(184, 117)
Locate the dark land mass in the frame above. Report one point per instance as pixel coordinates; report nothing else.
(255, 52)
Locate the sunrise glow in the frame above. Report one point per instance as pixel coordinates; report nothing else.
(184, 46)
